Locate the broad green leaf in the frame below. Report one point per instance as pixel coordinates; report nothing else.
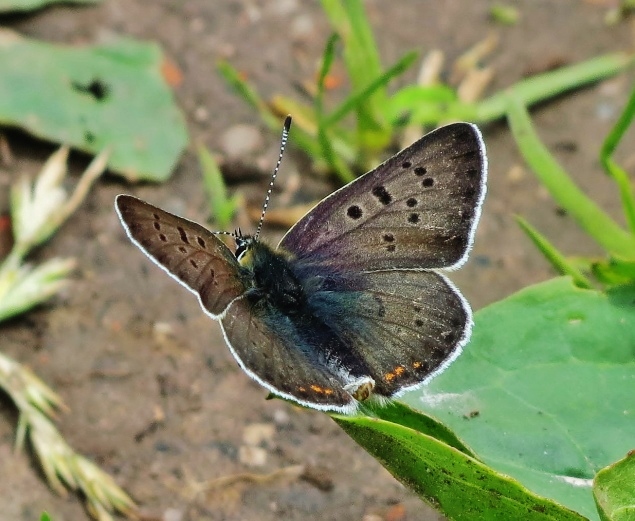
(458, 485)
(544, 390)
(404, 415)
(91, 98)
(614, 490)
(8, 6)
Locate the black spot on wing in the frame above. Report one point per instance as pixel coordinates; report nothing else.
(354, 212)
(382, 195)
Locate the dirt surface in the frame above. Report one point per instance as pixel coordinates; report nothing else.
(155, 395)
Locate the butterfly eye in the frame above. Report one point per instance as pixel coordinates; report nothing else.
(243, 243)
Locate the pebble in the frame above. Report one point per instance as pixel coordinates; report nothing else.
(258, 433)
(173, 514)
(240, 140)
(281, 418)
(252, 456)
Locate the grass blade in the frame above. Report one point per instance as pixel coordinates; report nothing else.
(221, 206)
(244, 90)
(589, 216)
(555, 258)
(362, 63)
(611, 167)
(381, 81)
(550, 84)
(332, 159)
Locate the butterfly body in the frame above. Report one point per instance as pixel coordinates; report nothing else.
(351, 305)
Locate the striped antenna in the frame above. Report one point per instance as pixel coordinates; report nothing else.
(283, 143)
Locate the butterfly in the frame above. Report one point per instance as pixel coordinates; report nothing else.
(352, 304)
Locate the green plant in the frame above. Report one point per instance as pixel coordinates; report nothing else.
(619, 243)
(37, 212)
(378, 115)
(221, 205)
(537, 413)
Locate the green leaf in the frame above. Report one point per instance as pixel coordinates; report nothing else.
(544, 390)
(45, 517)
(614, 490)
(91, 98)
(460, 486)
(562, 188)
(401, 414)
(8, 6)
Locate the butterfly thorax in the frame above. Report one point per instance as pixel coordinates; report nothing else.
(272, 277)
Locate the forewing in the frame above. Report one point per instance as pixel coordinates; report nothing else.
(185, 250)
(405, 325)
(419, 209)
(271, 355)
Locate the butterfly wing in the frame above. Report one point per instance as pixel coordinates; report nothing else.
(276, 353)
(405, 325)
(186, 251)
(419, 209)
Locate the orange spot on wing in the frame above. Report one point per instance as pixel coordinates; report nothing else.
(396, 372)
(321, 390)
(416, 365)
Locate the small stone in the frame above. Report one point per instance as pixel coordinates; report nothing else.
(281, 418)
(302, 28)
(258, 433)
(252, 456)
(319, 477)
(201, 114)
(240, 140)
(173, 514)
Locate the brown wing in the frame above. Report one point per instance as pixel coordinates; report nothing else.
(185, 250)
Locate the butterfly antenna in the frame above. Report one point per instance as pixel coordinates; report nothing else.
(283, 143)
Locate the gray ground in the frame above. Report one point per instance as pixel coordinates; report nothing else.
(162, 410)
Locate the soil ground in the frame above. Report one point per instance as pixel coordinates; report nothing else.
(155, 395)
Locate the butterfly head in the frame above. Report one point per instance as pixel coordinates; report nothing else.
(244, 244)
